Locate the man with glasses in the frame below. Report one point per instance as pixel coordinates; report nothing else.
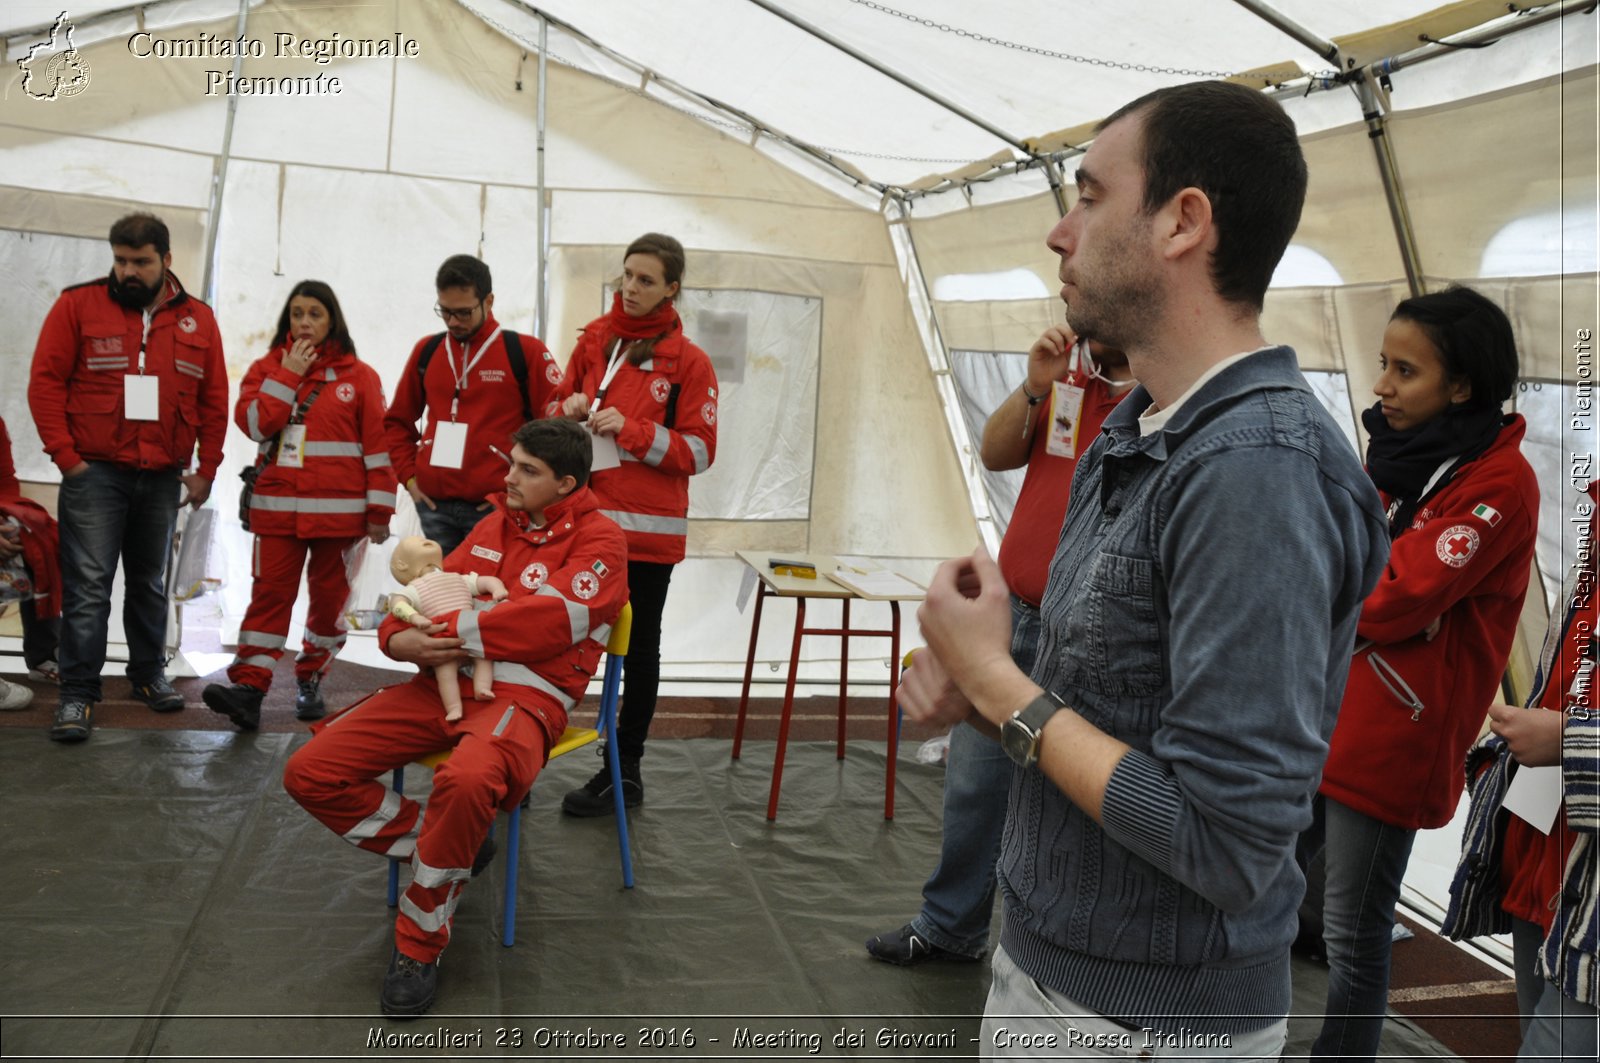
(478, 383)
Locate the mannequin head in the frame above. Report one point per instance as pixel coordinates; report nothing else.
(415, 556)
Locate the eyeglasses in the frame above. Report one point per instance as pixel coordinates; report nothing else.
(462, 316)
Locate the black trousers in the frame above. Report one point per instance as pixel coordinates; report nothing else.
(641, 676)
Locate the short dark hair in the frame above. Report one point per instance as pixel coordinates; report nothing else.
(664, 247)
(464, 271)
(322, 293)
(1473, 337)
(136, 230)
(561, 444)
(1240, 149)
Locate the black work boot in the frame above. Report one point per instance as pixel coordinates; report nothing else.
(308, 703)
(594, 798)
(239, 703)
(408, 986)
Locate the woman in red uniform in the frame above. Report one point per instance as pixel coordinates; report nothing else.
(325, 482)
(1434, 635)
(641, 384)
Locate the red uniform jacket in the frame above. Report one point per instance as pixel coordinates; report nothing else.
(41, 542)
(89, 343)
(568, 581)
(489, 405)
(648, 494)
(346, 481)
(1398, 756)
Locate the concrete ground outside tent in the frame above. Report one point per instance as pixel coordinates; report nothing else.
(167, 900)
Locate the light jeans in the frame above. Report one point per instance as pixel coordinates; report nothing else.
(1024, 1020)
(453, 520)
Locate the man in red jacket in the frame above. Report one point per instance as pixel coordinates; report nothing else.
(128, 377)
(478, 383)
(566, 566)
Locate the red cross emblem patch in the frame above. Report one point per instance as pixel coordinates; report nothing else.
(660, 389)
(586, 585)
(1456, 545)
(534, 575)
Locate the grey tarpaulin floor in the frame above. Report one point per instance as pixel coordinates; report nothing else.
(163, 898)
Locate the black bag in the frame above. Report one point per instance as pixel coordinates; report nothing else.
(249, 474)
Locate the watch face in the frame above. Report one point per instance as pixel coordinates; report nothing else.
(1018, 741)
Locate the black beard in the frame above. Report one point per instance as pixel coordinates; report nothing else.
(131, 293)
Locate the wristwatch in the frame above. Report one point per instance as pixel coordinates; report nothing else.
(1019, 736)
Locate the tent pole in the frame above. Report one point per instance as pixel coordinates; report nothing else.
(220, 177)
(861, 57)
(1053, 171)
(1278, 20)
(1399, 214)
(541, 278)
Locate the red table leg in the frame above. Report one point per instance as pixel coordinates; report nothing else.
(894, 709)
(788, 706)
(844, 672)
(749, 669)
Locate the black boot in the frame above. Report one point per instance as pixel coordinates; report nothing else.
(308, 703)
(594, 798)
(239, 703)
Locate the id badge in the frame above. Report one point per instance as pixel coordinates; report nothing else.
(1066, 408)
(606, 454)
(292, 446)
(141, 397)
(449, 444)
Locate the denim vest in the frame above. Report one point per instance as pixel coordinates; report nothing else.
(1201, 608)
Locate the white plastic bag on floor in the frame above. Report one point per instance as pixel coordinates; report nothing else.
(934, 750)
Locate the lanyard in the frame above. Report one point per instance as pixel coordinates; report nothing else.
(612, 366)
(144, 339)
(461, 374)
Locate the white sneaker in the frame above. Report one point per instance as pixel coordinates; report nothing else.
(14, 697)
(46, 672)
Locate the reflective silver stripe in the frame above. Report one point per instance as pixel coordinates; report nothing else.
(106, 363)
(623, 455)
(375, 461)
(252, 421)
(602, 634)
(327, 642)
(436, 920)
(325, 449)
(257, 661)
(467, 631)
(658, 446)
(188, 368)
(380, 498)
(330, 376)
(369, 827)
(577, 615)
(262, 639)
(505, 721)
(697, 447)
(519, 675)
(289, 504)
(281, 392)
(649, 522)
(403, 848)
(433, 877)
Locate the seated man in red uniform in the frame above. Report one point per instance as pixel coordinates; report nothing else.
(566, 566)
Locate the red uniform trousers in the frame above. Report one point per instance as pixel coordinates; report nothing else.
(264, 631)
(498, 750)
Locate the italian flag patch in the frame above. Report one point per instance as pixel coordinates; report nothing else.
(1488, 514)
(602, 571)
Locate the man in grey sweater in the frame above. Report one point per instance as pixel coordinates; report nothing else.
(1197, 622)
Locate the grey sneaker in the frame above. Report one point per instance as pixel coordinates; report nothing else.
(308, 703)
(45, 672)
(73, 720)
(158, 694)
(14, 696)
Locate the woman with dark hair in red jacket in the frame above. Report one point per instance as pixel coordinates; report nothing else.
(316, 412)
(641, 384)
(1434, 635)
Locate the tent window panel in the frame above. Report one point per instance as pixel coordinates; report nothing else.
(1301, 267)
(983, 379)
(998, 286)
(1556, 459)
(766, 349)
(1333, 391)
(1538, 245)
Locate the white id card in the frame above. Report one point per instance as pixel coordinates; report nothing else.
(449, 444)
(1065, 409)
(141, 397)
(606, 454)
(292, 446)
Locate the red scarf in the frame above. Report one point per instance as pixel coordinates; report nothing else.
(654, 325)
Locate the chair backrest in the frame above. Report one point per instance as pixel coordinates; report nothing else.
(621, 631)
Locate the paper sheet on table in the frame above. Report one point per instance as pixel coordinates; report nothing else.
(1534, 795)
(878, 584)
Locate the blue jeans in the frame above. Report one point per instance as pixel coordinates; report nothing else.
(958, 898)
(450, 524)
(1554, 1026)
(105, 512)
(1365, 860)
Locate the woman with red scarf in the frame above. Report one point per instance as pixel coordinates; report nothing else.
(1434, 635)
(650, 394)
(323, 483)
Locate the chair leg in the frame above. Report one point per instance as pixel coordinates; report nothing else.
(508, 934)
(394, 865)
